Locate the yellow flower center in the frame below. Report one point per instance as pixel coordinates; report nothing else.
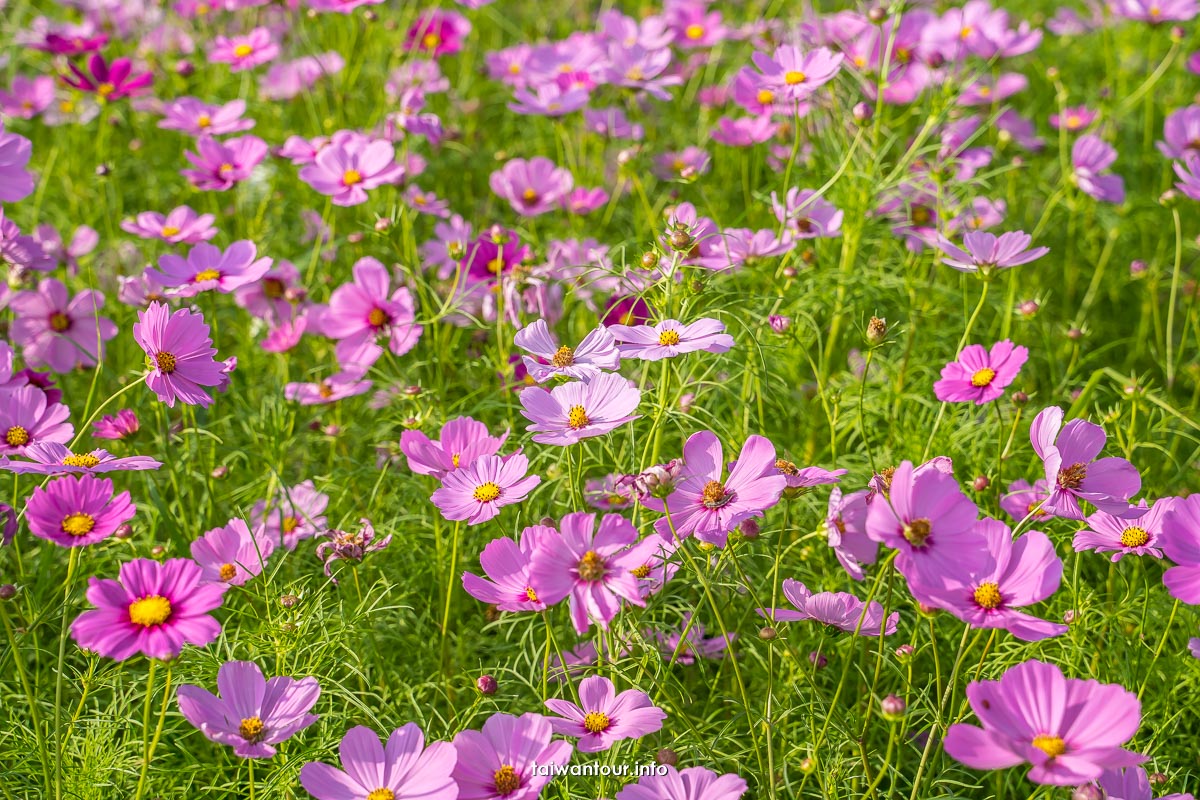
(206, 275)
(920, 215)
(530, 594)
(983, 377)
(227, 572)
(635, 74)
(1073, 121)
(530, 195)
(203, 121)
(1072, 477)
(150, 611)
(351, 177)
(290, 524)
(252, 729)
(170, 230)
(694, 32)
(507, 780)
(16, 436)
(225, 169)
(78, 524)
(1134, 537)
(243, 50)
(165, 362)
(105, 89)
(765, 97)
(59, 321)
(514, 69)
(793, 77)
(66, 106)
(668, 338)
(85, 460)
(381, 794)
(917, 531)
(431, 40)
(966, 32)
(563, 357)
(591, 566)
(714, 495)
(987, 595)
(595, 722)
(496, 265)
(985, 91)
(641, 572)
(577, 418)
(1052, 746)
(377, 317)
(487, 492)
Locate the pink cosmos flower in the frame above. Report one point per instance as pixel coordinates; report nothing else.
(800, 478)
(807, 214)
(671, 338)
(179, 354)
(839, 609)
(288, 79)
(27, 418)
(846, 531)
(578, 410)
(688, 642)
(403, 770)
(1074, 473)
(986, 252)
(1139, 536)
(1091, 157)
(460, 442)
(53, 458)
(1073, 118)
(181, 226)
(297, 513)
(1181, 543)
(603, 717)
(437, 33)
(76, 511)
(980, 376)
(498, 762)
(1181, 133)
(123, 425)
(1069, 730)
(339, 545)
(233, 554)
(152, 608)
(507, 565)
(108, 81)
(597, 351)
(1155, 12)
(60, 331)
(207, 268)
(692, 783)
(340, 6)
(336, 387)
(794, 75)
(83, 241)
(21, 253)
(366, 309)
(253, 714)
(221, 165)
(533, 187)
(27, 97)
(477, 491)
(702, 505)
(197, 118)
(16, 182)
(1023, 499)
(1189, 175)
(347, 168)
(243, 52)
(1131, 783)
(592, 567)
(276, 297)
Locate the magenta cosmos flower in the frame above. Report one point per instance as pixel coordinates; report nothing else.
(931, 522)
(979, 376)
(179, 354)
(151, 608)
(60, 331)
(986, 252)
(1069, 730)
(1181, 543)
(437, 33)
(253, 714)
(1068, 453)
(460, 442)
(506, 563)
(108, 81)
(1022, 573)
(670, 338)
(75, 511)
(533, 187)
(54, 458)
(207, 268)
(197, 118)
(595, 568)
(297, 513)
(181, 225)
(26, 418)
(1136, 536)
(793, 75)
(578, 410)
(221, 165)
(346, 168)
(477, 491)
(702, 505)
(233, 554)
(404, 769)
(693, 783)
(366, 309)
(244, 52)
(839, 609)
(603, 717)
(123, 425)
(597, 351)
(497, 763)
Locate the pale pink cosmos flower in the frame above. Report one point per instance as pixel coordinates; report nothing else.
(597, 351)
(197, 118)
(838, 609)
(349, 166)
(285, 80)
(55, 458)
(986, 252)
(181, 225)
(296, 513)
(16, 182)
(604, 717)
(27, 97)
(795, 75)
(336, 387)
(692, 783)
(221, 165)
(578, 410)
(245, 51)
(460, 442)
(207, 268)
(671, 338)
(1137, 536)
(477, 492)
(57, 330)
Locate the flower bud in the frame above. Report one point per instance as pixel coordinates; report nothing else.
(487, 685)
(904, 652)
(220, 471)
(877, 331)
(807, 765)
(1069, 616)
(892, 707)
(789, 271)
(750, 528)
(666, 756)
(1088, 791)
(1028, 308)
(1169, 198)
(289, 601)
(1074, 334)
(7, 591)
(862, 113)
(767, 634)
(103, 170)
(1156, 778)
(818, 660)
(1137, 267)
(649, 259)
(382, 225)
(681, 241)
(157, 550)
(1177, 33)
(981, 483)
(123, 531)
(877, 15)
(779, 324)
(184, 68)
(1020, 399)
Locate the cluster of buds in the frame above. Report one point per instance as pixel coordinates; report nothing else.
(349, 546)
(657, 481)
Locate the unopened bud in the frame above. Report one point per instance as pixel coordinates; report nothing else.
(220, 471)
(980, 483)
(123, 531)
(876, 331)
(1156, 778)
(1169, 198)
(1020, 399)
(487, 685)
(779, 324)
(862, 113)
(382, 225)
(666, 756)
(904, 652)
(7, 591)
(184, 68)
(877, 15)
(1074, 334)
(892, 707)
(767, 634)
(818, 660)
(750, 528)
(1028, 308)
(807, 765)
(1088, 791)
(289, 600)
(157, 550)
(649, 259)
(681, 241)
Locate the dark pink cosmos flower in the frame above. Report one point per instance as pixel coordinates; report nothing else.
(246, 51)
(1136, 536)
(403, 770)
(931, 522)
(592, 567)
(1074, 473)
(16, 182)
(702, 505)
(986, 252)
(108, 81)
(510, 759)
(597, 351)
(197, 118)
(532, 187)
(152, 608)
(207, 268)
(1073, 118)
(1020, 574)
(838, 609)
(221, 165)
(1090, 158)
(253, 714)
(181, 225)
(693, 783)
(349, 166)
(60, 331)
(604, 717)
(437, 33)
(578, 410)
(27, 417)
(671, 338)
(460, 442)
(1069, 730)
(846, 531)
(688, 642)
(122, 425)
(54, 458)
(362, 311)
(232, 554)
(1181, 543)
(1155, 12)
(478, 491)
(76, 511)
(979, 376)
(1181, 133)
(507, 565)
(794, 75)
(179, 354)
(1023, 499)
